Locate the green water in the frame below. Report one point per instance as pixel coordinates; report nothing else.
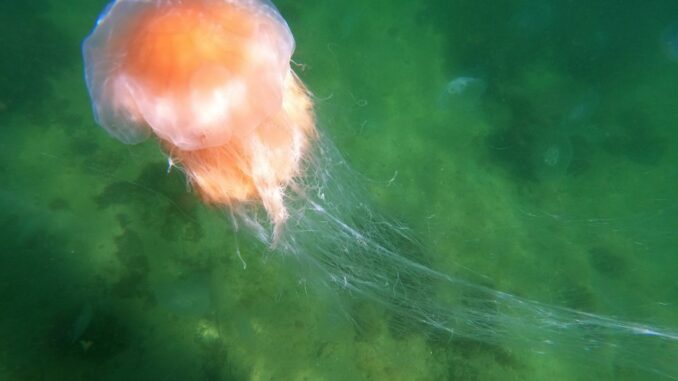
(551, 175)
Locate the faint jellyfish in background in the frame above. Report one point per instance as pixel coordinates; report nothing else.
(554, 148)
(552, 154)
(462, 90)
(670, 41)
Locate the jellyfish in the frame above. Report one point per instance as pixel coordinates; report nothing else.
(211, 81)
(552, 154)
(462, 89)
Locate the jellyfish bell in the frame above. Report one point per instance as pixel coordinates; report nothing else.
(211, 80)
(462, 91)
(191, 71)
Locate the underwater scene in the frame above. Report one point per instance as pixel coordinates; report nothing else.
(338, 190)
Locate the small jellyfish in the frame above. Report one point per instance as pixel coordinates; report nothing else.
(552, 156)
(462, 89)
(461, 85)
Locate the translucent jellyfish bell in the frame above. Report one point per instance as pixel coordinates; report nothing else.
(122, 120)
(552, 155)
(462, 90)
(189, 71)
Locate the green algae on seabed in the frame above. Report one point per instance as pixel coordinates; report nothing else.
(88, 220)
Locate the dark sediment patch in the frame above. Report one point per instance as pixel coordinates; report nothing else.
(104, 336)
(134, 280)
(606, 262)
(635, 139)
(162, 200)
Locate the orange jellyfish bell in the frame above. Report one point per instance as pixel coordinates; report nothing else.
(211, 79)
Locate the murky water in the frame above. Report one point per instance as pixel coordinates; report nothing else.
(529, 146)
